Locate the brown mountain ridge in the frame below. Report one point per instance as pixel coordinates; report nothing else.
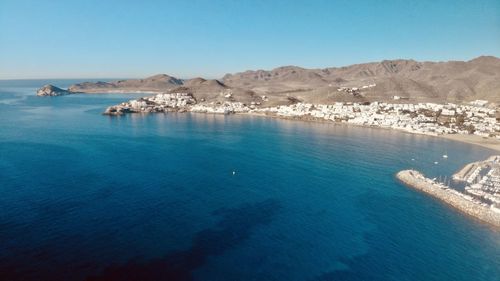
(451, 81)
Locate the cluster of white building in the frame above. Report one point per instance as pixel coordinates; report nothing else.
(220, 108)
(355, 90)
(157, 103)
(484, 181)
(172, 100)
(423, 118)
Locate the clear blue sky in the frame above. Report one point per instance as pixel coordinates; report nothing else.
(98, 39)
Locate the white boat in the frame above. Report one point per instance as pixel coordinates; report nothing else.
(445, 156)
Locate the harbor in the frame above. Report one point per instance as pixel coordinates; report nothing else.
(481, 197)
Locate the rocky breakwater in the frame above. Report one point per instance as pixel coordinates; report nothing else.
(460, 201)
(51, 90)
(159, 103)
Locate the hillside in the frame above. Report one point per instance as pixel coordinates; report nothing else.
(419, 81)
(413, 81)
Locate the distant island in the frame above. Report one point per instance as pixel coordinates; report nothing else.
(50, 90)
(451, 99)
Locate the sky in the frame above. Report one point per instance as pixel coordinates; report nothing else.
(126, 39)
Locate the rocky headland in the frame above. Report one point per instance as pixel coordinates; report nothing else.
(51, 90)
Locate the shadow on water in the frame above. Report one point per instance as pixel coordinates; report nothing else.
(236, 226)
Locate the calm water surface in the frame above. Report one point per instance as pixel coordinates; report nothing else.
(152, 197)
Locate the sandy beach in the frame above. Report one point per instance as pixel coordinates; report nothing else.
(490, 143)
(474, 139)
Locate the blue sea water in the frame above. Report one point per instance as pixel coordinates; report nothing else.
(153, 197)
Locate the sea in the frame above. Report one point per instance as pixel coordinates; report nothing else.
(184, 196)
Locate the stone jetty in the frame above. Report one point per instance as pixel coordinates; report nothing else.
(467, 204)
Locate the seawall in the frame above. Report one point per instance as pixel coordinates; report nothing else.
(459, 201)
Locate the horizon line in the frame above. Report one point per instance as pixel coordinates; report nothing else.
(258, 69)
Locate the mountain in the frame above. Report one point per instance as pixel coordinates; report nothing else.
(413, 81)
(453, 81)
(154, 83)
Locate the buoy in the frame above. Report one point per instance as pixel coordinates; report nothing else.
(234, 173)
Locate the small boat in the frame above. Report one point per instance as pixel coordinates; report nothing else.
(234, 173)
(445, 156)
(436, 162)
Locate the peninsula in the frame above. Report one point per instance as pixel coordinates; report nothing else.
(51, 90)
(481, 198)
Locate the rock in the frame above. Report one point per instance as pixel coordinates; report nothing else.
(51, 90)
(112, 110)
(116, 110)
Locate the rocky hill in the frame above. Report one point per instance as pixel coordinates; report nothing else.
(158, 82)
(408, 80)
(455, 81)
(51, 90)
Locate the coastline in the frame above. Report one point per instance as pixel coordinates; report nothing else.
(475, 140)
(492, 144)
(489, 143)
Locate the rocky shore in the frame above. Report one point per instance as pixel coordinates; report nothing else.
(467, 204)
